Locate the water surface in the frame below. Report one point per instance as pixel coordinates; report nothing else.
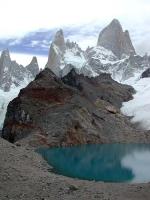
(101, 162)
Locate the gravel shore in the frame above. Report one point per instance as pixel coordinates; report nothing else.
(24, 175)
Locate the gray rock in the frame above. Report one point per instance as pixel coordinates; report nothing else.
(33, 67)
(54, 59)
(113, 38)
(56, 52)
(59, 40)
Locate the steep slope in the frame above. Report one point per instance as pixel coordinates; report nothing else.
(33, 67)
(113, 38)
(74, 110)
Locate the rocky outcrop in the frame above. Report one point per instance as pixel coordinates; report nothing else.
(113, 38)
(33, 67)
(146, 73)
(56, 53)
(74, 110)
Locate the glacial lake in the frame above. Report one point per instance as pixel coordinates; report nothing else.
(101, 162)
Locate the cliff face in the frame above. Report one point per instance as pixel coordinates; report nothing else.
(71, 111)
(115, 39)
(56, 53)
(33, 67)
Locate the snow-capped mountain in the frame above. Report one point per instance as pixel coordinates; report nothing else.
(63, 56)
(119, 58)
(13, 77)
(113, 54)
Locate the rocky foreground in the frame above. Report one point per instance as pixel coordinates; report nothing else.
(24, 175)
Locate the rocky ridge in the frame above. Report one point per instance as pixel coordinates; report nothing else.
(76, 110)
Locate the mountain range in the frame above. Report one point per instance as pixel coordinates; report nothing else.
(113, 54)
(76, 90)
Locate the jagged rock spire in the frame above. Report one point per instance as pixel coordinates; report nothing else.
(56, 52)
(33, 67)
(113, 38)
(59, 40)
(5, 59)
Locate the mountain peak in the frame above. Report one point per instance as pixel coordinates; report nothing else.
(113, 38)
(59, 40)
(34, 59)
(115, 22)
(5, 53)
(33, 67)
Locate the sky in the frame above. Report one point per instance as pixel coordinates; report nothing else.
(19, 17)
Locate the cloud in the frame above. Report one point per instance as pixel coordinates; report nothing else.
(20, 17)
(25, 59)
(27, 15)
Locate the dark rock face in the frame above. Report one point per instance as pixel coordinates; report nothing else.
(146, 73)
(33, 67)
(73, 110)
(113, 38)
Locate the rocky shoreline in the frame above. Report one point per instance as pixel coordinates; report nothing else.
(25, 175)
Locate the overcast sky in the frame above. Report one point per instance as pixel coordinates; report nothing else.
(21, 16)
